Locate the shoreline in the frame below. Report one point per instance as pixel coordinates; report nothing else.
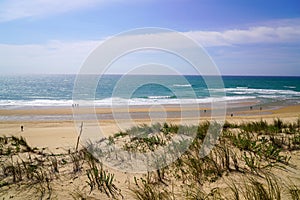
(63, 133)
(57, 113)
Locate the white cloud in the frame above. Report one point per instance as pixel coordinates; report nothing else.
(277, 33)
(17, 9)
(62, 57)
(253, 35)
(53, 57)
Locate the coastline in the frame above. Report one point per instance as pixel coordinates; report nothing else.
(64, 111)
(53, 133)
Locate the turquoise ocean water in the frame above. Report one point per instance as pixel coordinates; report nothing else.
(21, 91)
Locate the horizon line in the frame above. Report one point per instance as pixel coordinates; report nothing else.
(120, 74)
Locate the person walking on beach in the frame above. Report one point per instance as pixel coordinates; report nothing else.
(22, 128)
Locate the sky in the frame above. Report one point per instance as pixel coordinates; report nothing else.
(250, 37)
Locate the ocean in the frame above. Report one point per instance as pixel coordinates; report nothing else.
(27, 91)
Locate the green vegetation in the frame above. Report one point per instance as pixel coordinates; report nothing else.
(146, 190)
(253, 148)
(251, 152)
(38, 170)
(99, 178)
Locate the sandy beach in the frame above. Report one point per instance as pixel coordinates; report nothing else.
(58, 136)
(65, 130)
(63, 133)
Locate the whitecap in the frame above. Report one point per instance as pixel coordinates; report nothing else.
(182, 85)
(291, 87)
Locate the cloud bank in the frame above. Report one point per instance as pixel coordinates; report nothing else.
(253, 35)
(68, 56)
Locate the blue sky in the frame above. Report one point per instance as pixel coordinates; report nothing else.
(242, 37)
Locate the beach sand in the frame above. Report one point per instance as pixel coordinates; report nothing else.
(61, 135)
(54, 134)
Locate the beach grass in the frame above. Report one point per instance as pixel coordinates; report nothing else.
(245, 163)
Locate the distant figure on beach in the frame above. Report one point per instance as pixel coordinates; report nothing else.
(75, 105)
(250, 107)
(22, 128)
(231, 115)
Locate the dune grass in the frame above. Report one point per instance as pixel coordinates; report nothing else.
(249, 150)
